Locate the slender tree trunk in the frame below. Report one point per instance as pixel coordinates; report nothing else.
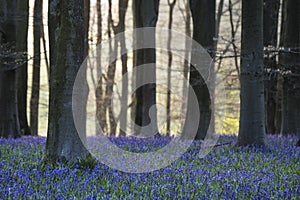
(100, 113)
(188, 33)
(64, 142)
(35, 92)
(252, 116)
(170, 59)
(123, 5)
(22, 73)
(9, 120)
(271, 10)
(110, 76)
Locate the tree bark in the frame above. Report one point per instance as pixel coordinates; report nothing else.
(290, 60)
(271, 10)
(111, 71)
(188, 33)
(170, 59)
(252, 116)
(9, 120)
(35, 92)
(22, 72)
(66, 34)
(203, 15)
(123, 5)
(100, 112)
(145, 15)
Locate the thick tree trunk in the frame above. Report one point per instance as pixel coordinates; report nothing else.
(66, 25)
(9, 120)
(252, 117)
(290, 59)
(145, 15)
(203, 15)
(35, 92)
(21, 46)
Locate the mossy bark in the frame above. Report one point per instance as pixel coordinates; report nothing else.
(66, 25)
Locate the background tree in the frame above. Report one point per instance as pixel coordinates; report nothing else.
(110, 74)
(123, 5)
(10, 61)
(290, 61)
(170, 59)
(35, 92)
(203, 15)
(145, 15)
(270, 29)
(22, 72)
(252, 124)
(66, 34)
(100, 108)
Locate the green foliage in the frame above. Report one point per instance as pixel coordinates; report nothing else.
(228, 172)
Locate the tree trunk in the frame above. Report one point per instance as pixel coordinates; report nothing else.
(100, 112)
(170, 59)
(9, 120)
(203, 15)
(86, 26)
(145, 15)
(22, 73)
(110, 76)
(252, 117)
(66, 34)
(35, 92)
(123, 5)
(188, 33)
(271, 10)
(290, 60)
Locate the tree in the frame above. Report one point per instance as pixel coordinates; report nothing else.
(123, 5)
(252, 116)
(203, 15)
(111, 71)
(188, 33)
(290, 61)
(22, 72)
(145, 15)
(66, 37)
(170, 59)
(100, 108)
(35, 92)
(10, 61)
(271, 10)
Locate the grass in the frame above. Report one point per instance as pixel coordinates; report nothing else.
(227, 172)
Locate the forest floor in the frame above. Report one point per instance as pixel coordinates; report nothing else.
(227, 172)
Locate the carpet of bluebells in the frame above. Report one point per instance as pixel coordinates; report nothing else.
(227, 172)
